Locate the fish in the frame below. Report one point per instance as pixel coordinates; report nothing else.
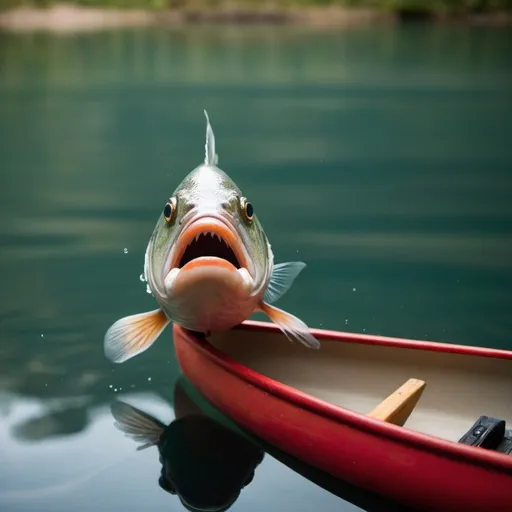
(209, 265)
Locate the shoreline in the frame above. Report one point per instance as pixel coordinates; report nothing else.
(72, 18)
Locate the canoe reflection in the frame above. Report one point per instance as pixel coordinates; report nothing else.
(203, 462)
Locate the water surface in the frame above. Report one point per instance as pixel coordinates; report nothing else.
(380, 157)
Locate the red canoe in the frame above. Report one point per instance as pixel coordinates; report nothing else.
(346, 410)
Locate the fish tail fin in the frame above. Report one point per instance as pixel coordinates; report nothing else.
(290, 325)
(133, 334)
(136, 424)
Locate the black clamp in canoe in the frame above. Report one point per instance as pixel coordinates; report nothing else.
(489, 433)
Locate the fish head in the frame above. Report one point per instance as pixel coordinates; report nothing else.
(208, 232)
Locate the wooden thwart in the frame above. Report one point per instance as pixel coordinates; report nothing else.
(397, 407)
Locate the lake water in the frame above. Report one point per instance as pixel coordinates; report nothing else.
(381, 157)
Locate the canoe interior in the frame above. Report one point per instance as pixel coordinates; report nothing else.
(355, 376)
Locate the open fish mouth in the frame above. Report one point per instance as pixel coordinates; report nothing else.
(209, 244)
(205, 243)
(209, 238)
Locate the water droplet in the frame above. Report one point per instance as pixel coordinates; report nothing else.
(346, 320)
(115, 390)
(148, 289)
(46, 385)
(42, 335)
(142, 277)
(125, 250)
(132, 386)
(353, 289)
(364, 330)
(149, 379)
(111, 386)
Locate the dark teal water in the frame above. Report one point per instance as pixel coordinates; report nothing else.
(381, 157)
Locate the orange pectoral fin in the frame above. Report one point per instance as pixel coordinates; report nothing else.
(290, 325)
(133, 334)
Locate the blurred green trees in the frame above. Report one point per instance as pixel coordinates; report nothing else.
(422, 6)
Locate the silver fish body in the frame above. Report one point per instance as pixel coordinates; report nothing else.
(208, 207)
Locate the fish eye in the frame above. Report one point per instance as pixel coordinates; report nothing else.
(170, 210)
(247, 209)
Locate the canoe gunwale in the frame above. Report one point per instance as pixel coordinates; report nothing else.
(385, 341)
(467, 454)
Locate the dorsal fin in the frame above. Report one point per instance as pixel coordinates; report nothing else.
(210, 157)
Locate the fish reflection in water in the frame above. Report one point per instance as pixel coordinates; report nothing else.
(207, 460)
(205, 463)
